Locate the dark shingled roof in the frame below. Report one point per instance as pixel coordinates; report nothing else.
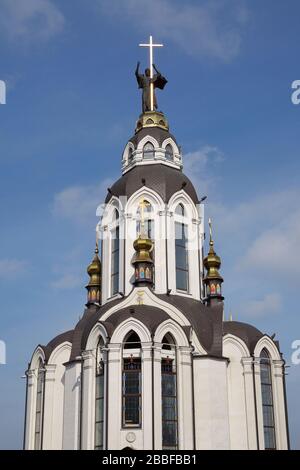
(67, 336)
(156, 132)
(151, 317)
(206, 321)
(160, 178)
(248, 333)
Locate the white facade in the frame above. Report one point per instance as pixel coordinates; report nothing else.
(216, 366)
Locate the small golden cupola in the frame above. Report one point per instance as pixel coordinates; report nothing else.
(94, 286)
(213, 280)
(142, 259)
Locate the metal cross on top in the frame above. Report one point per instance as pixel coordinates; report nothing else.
(143, 205)
(151, 45)
(210, 229)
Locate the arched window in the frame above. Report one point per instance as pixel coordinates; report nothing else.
(132, 382)
(148, 220)
(169, 394)
(181, 252)
(130, 154)
(132, 341)
(267, 400)
(99, 398)
(39, 406)
(148, 151)
(115, 254)
(169, 152)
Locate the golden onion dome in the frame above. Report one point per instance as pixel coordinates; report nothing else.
(143, 248)
(95, 266)
(212, 261)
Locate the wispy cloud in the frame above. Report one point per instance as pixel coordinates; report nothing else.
(270, 304)
(30, 20)
(207, 29)
(265, 230)
(199, 166)
(79, 203)
(12, 268)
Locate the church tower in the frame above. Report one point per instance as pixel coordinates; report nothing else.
(152, 364)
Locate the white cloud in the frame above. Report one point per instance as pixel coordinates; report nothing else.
(199, 166)
(277, 250)
(210, 29)
(11, 268)
(270, 304)
(79, 203)
(263, 234)
(30, 19)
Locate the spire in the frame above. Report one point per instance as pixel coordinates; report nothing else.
(149, 82)
(142, 259)
(213, 280)
(94, 286)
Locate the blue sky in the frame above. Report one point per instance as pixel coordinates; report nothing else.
(72, 103)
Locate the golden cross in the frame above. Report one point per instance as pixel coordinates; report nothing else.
(143, 205)
(151, 46)
(210, 228)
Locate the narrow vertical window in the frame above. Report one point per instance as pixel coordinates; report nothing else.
(115, 254)
(99, 401)
(148, 220)
(169, 397)
(39, 407)
(169, 152)
(130, 154)
(267, 400)
(181, 252)
(148, 151)
(132, 383)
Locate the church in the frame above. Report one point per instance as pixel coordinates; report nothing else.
(152, 364)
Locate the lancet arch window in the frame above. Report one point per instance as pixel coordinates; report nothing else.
(169, 152)
(132, 382)
(181, 250)
(115, 253)
(169, 394)
(148, 217)
(148, 151)
(267, 400)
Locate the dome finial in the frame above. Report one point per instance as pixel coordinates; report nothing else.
(213, 280)
(142, 259)
(210, 232)
(94, 271)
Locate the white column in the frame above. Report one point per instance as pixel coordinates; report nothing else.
(279, 405)
(147, 395)
(250, 403)
(157, 397)
(30, 409)
(185, 399)
(88, 400)
(114, 395)
(105, 263)
(49, 405)
(260, 422)
(72, 406)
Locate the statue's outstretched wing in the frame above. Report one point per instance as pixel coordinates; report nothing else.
(160, 81)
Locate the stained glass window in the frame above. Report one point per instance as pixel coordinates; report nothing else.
(267, 400)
